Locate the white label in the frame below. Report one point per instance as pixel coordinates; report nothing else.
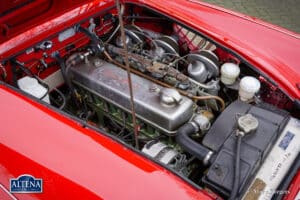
(298, 196)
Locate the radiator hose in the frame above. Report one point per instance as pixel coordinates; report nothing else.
(187, 143)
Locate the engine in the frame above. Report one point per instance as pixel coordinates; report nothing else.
(198, 110)
(160, 109)
(173, 128)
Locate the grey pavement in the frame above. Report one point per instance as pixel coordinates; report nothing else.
(284, 13)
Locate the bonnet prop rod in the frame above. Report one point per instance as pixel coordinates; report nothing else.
(136, 131)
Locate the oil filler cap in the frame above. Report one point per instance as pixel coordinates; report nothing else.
(247, 123)
(170, 97)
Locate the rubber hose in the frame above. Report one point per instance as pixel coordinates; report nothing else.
(63, 98)
(236, 181)
(63, 67)
(191, 146)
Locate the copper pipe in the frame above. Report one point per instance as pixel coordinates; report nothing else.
(107, 55)
(219, 99)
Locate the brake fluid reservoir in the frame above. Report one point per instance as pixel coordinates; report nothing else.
(229, 73)
(248, 87)
(32, 86)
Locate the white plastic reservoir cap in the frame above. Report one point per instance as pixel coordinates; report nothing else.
(32, 86)
(248, 87)
(229, 73)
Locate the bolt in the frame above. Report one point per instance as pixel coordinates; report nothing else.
(154, 88)
(97, 63)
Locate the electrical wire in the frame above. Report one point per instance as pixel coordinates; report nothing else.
(63, 68)
(178, 59)
(147, 36)
(29, 73)
(113, 34)
(22, 67)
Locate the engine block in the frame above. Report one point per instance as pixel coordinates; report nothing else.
(104, 82)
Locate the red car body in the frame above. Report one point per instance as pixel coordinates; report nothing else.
(78, 162)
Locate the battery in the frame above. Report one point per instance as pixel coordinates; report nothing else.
(277, 163)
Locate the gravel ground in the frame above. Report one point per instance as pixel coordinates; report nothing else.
(285, 13)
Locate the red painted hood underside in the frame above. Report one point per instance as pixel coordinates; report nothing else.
(18, 15)
(274, 50)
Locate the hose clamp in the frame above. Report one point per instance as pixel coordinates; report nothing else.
(207, 158)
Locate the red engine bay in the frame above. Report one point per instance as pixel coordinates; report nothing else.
(201, 110)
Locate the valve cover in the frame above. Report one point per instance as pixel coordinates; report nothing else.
(109, 82)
